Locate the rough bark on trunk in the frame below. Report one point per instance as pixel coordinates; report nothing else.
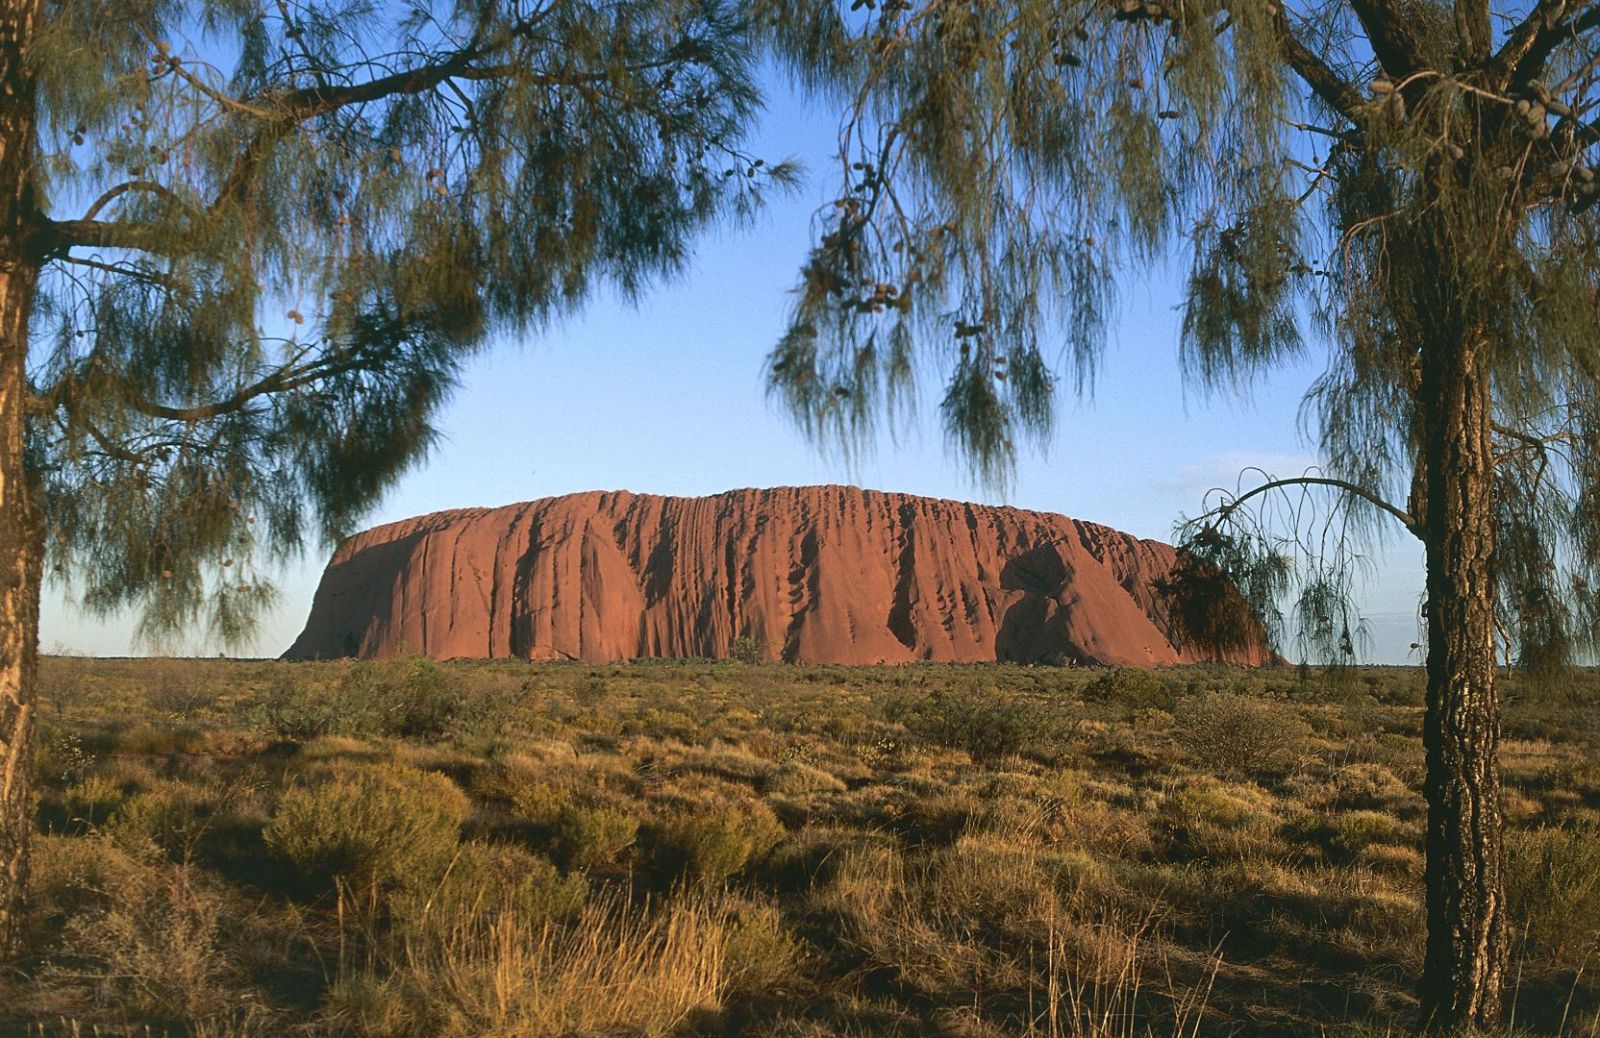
(1465, 963)
(21, 542)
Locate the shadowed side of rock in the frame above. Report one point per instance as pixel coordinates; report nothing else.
(803, 574)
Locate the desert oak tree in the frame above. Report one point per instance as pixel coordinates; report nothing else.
(1409, 185)
(246, 244)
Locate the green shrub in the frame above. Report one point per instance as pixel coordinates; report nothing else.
(408, 698)
(748, 649)
(540, 802)
(1370, 786)
(172, 816)
(1238, 736)
(292, 711)
(936, 818)
(486, 880)
(591, 692)
(795, 778)
(161, 740)
(1219, 821)
(1216, 804)
(1151, 720)
(758, 953)
(412, 698)
(94, 799)
(985, 722)
(59, 756)
(1133, 687)
(1553, 891)
(386, 825)
(591, 835)
(1354, 831)
(710, 846)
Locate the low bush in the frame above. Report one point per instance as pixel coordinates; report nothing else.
(748, 650)
(415, 699)
(1133, 687)
(1553, 891)
(1370, 786)
(1219, 821)
(758, 953)
(492, 879)
(796, 777)
(154, 950)
(158, 740)
(589, 835)
(291, 710)
(540, 802)
(1352, 832)
(171, 816)
(407, 698)
(615, 970)
(709, 846)
(387, 826)
(1239, 736)
(985, 722)
(93, 800)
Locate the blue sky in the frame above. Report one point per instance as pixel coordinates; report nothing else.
(666, 396)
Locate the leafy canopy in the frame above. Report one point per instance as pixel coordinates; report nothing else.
(1361, 176)
(270, 233)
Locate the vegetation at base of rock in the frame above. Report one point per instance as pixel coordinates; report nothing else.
(741, 849)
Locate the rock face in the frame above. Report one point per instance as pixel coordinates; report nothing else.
(803, 574)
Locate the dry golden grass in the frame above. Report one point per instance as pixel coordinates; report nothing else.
(614, 968)
(384, 851)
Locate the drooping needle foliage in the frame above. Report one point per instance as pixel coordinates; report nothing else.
(272, 232)
(1348, 177)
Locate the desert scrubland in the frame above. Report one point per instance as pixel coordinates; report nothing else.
(408, 848)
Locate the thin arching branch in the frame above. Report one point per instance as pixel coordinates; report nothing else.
(114, 193)
(1405, 518)
(1530, 441)
(153, 277)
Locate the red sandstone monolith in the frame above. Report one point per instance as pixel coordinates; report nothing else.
(802, 574)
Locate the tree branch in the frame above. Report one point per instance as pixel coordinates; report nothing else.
(1530, 441)
(133, 185)
(279, 381)
(1327, 84)
(107, 445)
(1391, 35)
(1353, 489)
(1522, 58)
(304, 103)
(103, 234)
(280, 112)
(123, 270)
(1472, 28)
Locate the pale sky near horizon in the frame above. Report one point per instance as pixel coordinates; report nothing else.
(666, 396)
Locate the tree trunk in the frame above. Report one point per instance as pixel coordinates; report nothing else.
(1465, 964)
(21, 539)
